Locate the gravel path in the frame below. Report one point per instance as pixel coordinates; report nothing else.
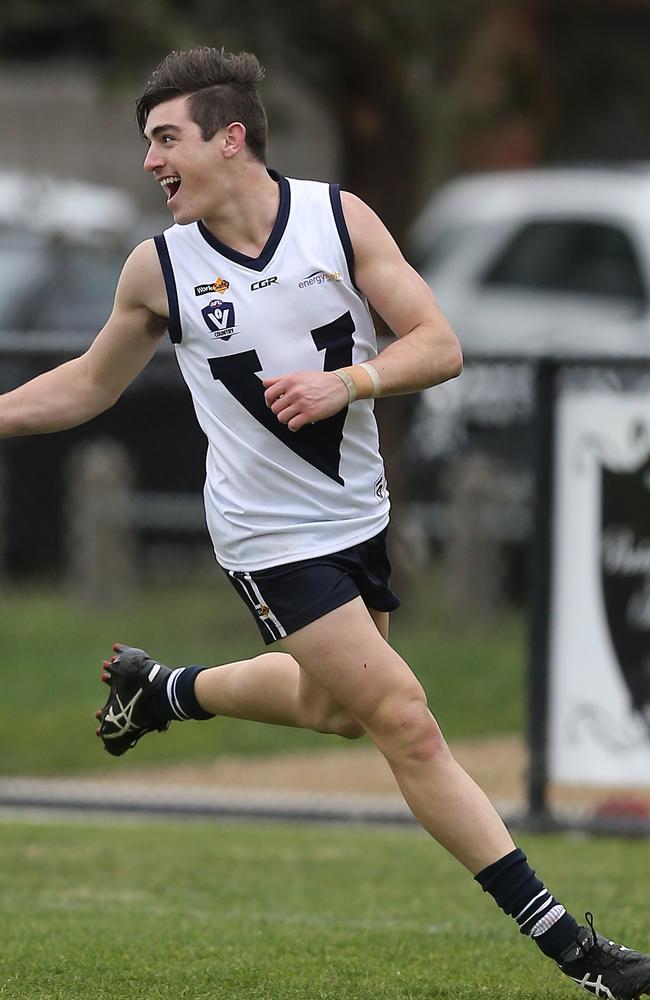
(497, 764)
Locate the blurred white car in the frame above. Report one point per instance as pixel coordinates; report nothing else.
(63, 206)
(542, 262)
(525, 264)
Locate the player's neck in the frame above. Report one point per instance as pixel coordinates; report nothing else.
(246, 210)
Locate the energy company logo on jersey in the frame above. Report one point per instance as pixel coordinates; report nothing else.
(219, 285)
(220, 319)
(319, 278)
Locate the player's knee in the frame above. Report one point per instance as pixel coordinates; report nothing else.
(405, 727)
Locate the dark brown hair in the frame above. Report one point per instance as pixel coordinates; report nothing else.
(221, 88)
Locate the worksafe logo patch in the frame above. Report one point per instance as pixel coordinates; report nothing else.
(219, 285)
(219, 318)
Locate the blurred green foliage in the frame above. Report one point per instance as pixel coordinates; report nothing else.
(382, 69)
(417, 90)
(51, 651)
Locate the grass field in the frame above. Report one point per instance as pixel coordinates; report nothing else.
(151, 911)
(51, 651)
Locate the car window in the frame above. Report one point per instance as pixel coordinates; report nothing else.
(570, 256)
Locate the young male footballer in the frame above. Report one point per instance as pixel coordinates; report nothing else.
(263, 283)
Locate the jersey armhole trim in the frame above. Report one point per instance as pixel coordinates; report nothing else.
(342, 229)
(175, 329)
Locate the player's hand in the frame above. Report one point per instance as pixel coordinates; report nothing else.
(305, 397)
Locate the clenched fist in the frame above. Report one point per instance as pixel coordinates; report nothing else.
(305, 397)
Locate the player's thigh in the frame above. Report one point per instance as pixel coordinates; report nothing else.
(382, 621)
(345, 653)
(313, 694)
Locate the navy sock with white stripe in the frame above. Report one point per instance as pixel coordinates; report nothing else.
(177, 701)
(513, 885)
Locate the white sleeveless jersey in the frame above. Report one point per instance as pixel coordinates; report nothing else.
(274, 496)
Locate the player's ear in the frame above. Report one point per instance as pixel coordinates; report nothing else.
(234, 138)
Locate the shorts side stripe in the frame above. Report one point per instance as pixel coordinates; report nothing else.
(249, 590)
(262, 603)
(250, 597)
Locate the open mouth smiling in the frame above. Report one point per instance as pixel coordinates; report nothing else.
(170, 186)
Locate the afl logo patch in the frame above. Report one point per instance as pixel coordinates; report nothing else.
(219, 285)
(220, 319)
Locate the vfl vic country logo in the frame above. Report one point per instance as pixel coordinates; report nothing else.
(220, 319)
(625, 565)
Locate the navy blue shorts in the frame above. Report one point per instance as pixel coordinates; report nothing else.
(285, 598)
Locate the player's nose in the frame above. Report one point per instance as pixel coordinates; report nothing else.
(153, 160)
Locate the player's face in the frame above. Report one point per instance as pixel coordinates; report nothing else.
(186, 166)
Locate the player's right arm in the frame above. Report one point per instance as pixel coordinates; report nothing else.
(81, 388)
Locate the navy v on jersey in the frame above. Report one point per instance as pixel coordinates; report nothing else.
(272, 495)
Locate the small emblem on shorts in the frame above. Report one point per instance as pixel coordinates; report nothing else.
(263, 611)
(219, 285)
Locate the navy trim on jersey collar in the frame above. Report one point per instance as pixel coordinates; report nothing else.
(175, 329)
(271, 245)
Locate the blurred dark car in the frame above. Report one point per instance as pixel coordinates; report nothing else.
(52, 284)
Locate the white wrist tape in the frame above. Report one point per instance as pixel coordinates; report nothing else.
(349, 384)
(374, 375)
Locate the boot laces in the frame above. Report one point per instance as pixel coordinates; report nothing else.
(608, 952)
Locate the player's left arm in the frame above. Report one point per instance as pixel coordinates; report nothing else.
(426, 351)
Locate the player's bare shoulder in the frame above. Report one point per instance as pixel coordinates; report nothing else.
(142, 287)
(378, 260)
(371, 240)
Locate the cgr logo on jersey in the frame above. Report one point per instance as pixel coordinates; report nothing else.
(320, 278)
(220, 319)
(264, 283)
(219, 285)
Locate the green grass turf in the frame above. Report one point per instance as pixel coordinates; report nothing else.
(51, 651)
(197, 910)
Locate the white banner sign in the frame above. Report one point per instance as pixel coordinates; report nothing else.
(599, 706)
